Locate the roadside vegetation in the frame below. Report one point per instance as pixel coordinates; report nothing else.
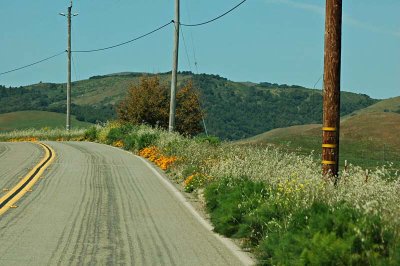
(276, 203)
(55, 134)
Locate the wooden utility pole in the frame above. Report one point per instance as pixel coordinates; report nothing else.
(69, 15)
(174, 80)
(69, 69)
(332, 62)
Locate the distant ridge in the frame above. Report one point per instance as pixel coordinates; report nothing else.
(234, 110)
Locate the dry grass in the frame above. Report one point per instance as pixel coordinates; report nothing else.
(369, 139)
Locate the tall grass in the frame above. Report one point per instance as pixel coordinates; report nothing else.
(42, 134)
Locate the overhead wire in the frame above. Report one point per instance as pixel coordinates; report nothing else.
(74, 65)
(192, 41)
(197, 70)
(186, 50)
(194, 53)
(190, 67)
(129, 41)
(214, 19)
(318, 81)
(126, 42)
(32, 64)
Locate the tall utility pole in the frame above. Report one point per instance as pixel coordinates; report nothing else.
(69, 15)
(69, 70)
(174, 80)
(332, 63)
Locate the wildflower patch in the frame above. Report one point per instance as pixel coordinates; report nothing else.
(24, 139)
(195, 181)
(153, 154)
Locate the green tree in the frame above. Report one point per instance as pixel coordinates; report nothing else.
(148, 102)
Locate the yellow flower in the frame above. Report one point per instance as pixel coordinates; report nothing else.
(118, 144)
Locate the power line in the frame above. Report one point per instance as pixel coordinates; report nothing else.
(194, 53)
(32, 64)
(74, 65)
(192, 41)
(197, 71)
(123, 43)
(186, 50)
(318, 81)
(129, 41)
(214, 19)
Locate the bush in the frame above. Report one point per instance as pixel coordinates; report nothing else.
(114, 135)
(136, 141)
(324, 235)
(119, 133)
(102, 134)
(248, 209)
(90, 134)
(146, 140)
(213, 140)
(230, 200)
(130, 141)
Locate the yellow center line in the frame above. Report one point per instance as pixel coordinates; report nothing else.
(26, 183)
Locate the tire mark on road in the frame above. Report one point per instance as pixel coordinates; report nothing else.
(4, 148)
(26, 157)
(92, 237)
(124, 211)
(69, 228)
(138, 214)
(179, 209)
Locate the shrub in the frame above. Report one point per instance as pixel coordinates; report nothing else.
(325, 235)
(130, 141)
(102, 134)
(114, 135)
(90, 133)
(145, 140)
(213, 140)
(230, 200)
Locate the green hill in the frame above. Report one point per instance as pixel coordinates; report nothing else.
(36, 119)
(369, 138)
(391, 105)
(234, 110)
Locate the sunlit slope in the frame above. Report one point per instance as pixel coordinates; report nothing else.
(36, 119)
(388, 105)
(368, 139)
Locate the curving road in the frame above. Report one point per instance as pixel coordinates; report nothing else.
(16, 159)
(98, 205)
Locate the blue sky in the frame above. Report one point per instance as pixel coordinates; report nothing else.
(264, 40)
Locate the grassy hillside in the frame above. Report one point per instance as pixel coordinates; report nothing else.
(235, 110)
(389, 105)
(36, 119)
(368, 139)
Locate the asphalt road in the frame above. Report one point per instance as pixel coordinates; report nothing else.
(16, 159)
(98, 205)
